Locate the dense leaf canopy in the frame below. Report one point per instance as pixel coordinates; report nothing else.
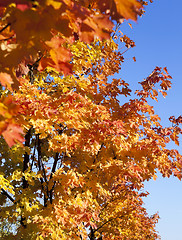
(73, 157)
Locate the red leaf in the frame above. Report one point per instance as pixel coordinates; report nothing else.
(21, 4)
(24, 6)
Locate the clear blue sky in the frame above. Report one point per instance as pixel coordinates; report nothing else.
(158, 38)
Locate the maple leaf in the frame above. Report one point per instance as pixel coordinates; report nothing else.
(128, 9)
(84, 153)
(59, 57)
(13, 134)
(99, 26)
(6, 80)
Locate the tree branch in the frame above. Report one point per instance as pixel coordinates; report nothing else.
(33, 156)
(26, 157)
(52, 172)
(5, 27)
(98, 152)
(106, 223)
(41, 166)
(6, 39)
(54, 165)
(92, 235)
(7, 195)
(25, 167)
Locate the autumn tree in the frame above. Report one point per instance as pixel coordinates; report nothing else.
(73, 157)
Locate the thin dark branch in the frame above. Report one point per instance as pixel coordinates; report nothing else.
(110, 201)
(6, 39)
(5, 27)
(39, 151)
(114, 155)
(44, 172)
(60, 131)
(7, 195)
(52, 172)
(33, 156)
(33, 67)
(54, 165)
(98, 153)
(125, 51)
(117, 27)
(104, 208)
(26, 157)
(106, 223)
(92, 235)
(41, 167)
(25, 167)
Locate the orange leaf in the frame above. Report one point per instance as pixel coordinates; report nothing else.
(64, 67)
(154, 177)
(6, 80)
(59, 57)
(13, 134)
(128, 9)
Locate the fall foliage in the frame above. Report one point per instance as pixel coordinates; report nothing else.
(74, 158)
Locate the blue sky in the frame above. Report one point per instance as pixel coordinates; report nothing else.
(158, 37)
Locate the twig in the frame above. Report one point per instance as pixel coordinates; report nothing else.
(6, 39)
(106, 223)
(52, 172)
(33, 157)
(98, 152)
(5, 27)
(7, 195)
(42, 166)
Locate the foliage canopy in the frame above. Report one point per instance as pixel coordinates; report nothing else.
(79, 170)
